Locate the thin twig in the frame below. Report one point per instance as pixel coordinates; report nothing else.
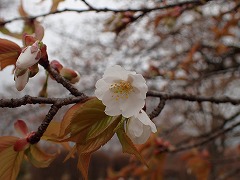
(63, 81)
(158, 109)
(197, 98)
(35, 138)
(13, 103)
(144, 10)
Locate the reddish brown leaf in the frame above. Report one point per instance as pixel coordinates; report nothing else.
(9, 52)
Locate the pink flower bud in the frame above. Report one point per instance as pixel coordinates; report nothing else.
(29, 56)
(70, 75)
(21, 78)
(56, 65)
(21, 127)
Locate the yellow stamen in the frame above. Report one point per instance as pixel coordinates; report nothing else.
(121, 90)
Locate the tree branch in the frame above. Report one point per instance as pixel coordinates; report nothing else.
(197, 98)
(62, 81)
(91, 9)
(158, 109)
(35, 138)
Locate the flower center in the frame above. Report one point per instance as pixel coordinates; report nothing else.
(121, 90)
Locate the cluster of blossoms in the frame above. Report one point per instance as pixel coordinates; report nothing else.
(27, 63)
(123, 93)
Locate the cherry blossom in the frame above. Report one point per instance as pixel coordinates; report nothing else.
(122, 92)
(140, 127)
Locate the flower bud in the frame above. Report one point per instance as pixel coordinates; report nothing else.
(21, 77)
(70, 75)
(33, 70)
(29, 56)
(56, 65)
(21, 127)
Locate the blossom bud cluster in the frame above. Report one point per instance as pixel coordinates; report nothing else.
(69, 74)
(123, 93)
(26, 65)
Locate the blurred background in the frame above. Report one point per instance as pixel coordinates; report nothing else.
(192, 49)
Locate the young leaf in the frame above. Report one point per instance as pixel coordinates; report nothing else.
(21, 10)
(55, 4)
(97, 140)
(6, 31)
(39, 158)
(84, 117)
(52, 131)
(39, 30)
(128, 146)
(83, 164)
(9, 52)
(10, 163)
(67, 119)
(7, 141)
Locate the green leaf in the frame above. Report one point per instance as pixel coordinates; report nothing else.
(102, 126)
(128, 146)
(9, 52)
(99, 139)
(10, 160)
(39, 158)
(64, 127)
(84, 117)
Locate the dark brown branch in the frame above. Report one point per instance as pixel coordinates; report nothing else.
(158, 109)
(63, 81)
(35, 138)
(89, 6)
(196, 98)
(13, 103)
(143, 10)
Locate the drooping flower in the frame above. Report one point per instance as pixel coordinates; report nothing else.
(21, 77)
(29, 56)
(121, 91)
(140, 127)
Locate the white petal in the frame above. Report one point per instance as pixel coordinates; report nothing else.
(21, 81)
(108, 100)
(132, 106)
(117, 72)
(134, 127)
(138, 132)
(112, 111)
(143, 117)
(27, 59)
(139, 83)
(101, 88)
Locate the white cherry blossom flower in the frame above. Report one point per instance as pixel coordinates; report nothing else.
(121, 91)
(140, 127)
(29, 56)
(21, 78)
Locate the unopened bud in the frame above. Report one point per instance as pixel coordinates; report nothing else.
(70, 75)
(29, 56)
(21, 78)
(21, 127)
(56, 65)
(33, 70)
